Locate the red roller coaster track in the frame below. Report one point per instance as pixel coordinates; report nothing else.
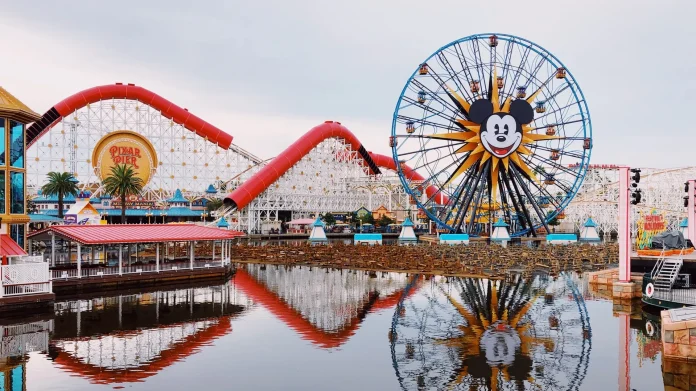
(255, 185)
(127, 91)
(241, 196)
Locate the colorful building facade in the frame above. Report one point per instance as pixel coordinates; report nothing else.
(14, 115)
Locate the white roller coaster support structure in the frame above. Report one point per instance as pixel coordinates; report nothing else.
(662, 192)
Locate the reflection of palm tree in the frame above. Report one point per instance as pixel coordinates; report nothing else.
(494, 340)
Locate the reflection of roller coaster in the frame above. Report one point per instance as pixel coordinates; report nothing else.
(333, 309)
(465, 332)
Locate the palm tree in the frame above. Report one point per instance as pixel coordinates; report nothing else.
(122, 182)
(213, 204)
(60, 184)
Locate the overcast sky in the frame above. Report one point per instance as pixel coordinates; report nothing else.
(267, 71)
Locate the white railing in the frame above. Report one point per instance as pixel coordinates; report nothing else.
(22, 339)
(25, 279)
(140, 269)
(20, 260)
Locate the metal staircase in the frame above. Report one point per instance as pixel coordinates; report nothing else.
(665, 272)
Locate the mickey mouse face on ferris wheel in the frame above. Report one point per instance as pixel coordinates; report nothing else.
(501, 133)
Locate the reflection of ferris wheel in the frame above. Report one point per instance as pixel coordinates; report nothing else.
(496, 125)
(494, 335)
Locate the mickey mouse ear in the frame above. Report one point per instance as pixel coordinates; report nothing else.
(480, 110)
(522, 111)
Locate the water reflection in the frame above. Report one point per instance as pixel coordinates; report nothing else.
(467, 333)
(316, 327)
(17, 341)
(128, 338)
(324, 306)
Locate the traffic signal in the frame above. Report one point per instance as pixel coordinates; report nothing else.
(636, 194)
(686, 197)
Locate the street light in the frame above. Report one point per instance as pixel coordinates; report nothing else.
(148, 214)
(164, 217)
(205, 214)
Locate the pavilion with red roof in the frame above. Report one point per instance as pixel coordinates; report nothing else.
(102, 244)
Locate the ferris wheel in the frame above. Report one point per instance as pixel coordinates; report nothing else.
(470, 333)
(497, 127)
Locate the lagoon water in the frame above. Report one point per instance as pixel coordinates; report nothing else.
(302, 328)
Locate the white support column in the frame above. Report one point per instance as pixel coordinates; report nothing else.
(104, 260)
(690, 218)
(222, 249)
(53, 249)
(157, 261)
(91, 260)
(79, 315)
(213, 251)
(624, 232)
(193, 244)
(79, 260)
(120, 263)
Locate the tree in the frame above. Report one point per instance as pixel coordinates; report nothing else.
(213, 205)
(123, 182)
(60, 184)
(31, 206)
(385, 221)
(329, 219)
(368, 219)
(554, 221)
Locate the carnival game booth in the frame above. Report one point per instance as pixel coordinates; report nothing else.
(300, 226)
(94, 254)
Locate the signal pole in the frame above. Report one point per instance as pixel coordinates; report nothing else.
(624, 231)
(626, 192)
(691, 229)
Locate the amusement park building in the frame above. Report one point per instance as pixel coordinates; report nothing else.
(13, 168)
(326, 170)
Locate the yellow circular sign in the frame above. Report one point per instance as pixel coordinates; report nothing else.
(124, 147)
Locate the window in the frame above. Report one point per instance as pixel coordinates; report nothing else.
(17, 192)
(2, 192)
(16, 144)
(2, 141)
(17, 233)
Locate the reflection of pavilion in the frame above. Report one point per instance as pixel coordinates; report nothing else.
(130, 338)
(324, 306)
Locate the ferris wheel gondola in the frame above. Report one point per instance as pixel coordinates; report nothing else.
(494, 122)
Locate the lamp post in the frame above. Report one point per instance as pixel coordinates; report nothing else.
(148, 214)
(205, 214)
(164, 217)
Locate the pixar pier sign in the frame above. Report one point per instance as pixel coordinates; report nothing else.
(125, 155)
(124, 147)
